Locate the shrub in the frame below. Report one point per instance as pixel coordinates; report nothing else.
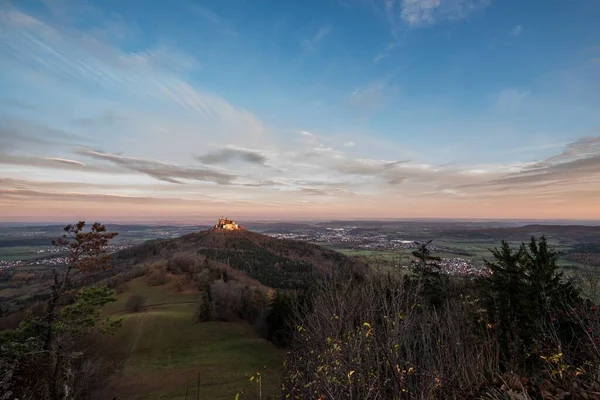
(23, 276)
(376, 337)
(182, 263)
(157, 274)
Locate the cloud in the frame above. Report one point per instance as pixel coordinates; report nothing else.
(211, 17)
(311, 43)
(349, 144)
(66, 161)
(16, 103)
(369, 98)
(74, 58)
(402, 14)
(510, 99)
(516, 31)
(325, 192)
(63, 190)
(388, 173)
(57, 163)
(20, 194)
(418, 13)
(17, 133)
(229, 154)
(159, 170)
(107, 118)
(385, 52)
(578, 163)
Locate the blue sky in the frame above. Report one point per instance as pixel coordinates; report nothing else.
(391, 108)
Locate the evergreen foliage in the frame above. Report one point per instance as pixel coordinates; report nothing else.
(523, 291)
(428, 272)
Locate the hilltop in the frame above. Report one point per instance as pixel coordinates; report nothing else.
(277, 263)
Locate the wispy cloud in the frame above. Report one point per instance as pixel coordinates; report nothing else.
(66, 161)
(386, 51)
(325, 192)
(510, 99)
(58, 163)
(418, 13)
(18, 134)
(211, 17)
(311, 43)
(107, 118)
(516, 31)
(369, 98)
(16, 103)
(229, 154)
(153, 75)
(406, 14)
(159, 170)
(578, 165)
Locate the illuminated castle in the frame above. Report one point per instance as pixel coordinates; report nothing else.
(226, 224)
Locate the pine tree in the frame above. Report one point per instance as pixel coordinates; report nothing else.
(428, 272)
(206, 308)
(525, 285)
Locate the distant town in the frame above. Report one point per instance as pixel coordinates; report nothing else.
(353, 237)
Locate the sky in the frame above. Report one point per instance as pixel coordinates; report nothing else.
(316, 109)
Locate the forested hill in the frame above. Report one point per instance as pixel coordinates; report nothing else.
(278, 263)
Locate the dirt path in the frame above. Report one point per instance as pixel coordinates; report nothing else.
(149, 306)
(130, 351)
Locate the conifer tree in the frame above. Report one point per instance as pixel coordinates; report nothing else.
(525, 287)
(428, 272)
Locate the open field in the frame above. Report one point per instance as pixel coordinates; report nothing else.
(19, 253)
(161, 351)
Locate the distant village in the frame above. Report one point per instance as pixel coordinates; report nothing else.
(347, 237)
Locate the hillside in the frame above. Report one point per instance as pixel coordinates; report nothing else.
(277, 263)
(241, 270)
(162, 351)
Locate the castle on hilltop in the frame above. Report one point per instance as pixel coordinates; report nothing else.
(226, 224)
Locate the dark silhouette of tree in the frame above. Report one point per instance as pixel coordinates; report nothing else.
(426, 262)
(428, 273)
(524, 288)
(279, 318)
(43, 347)
(206, 308)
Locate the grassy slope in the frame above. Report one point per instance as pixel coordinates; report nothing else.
(162, 351)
